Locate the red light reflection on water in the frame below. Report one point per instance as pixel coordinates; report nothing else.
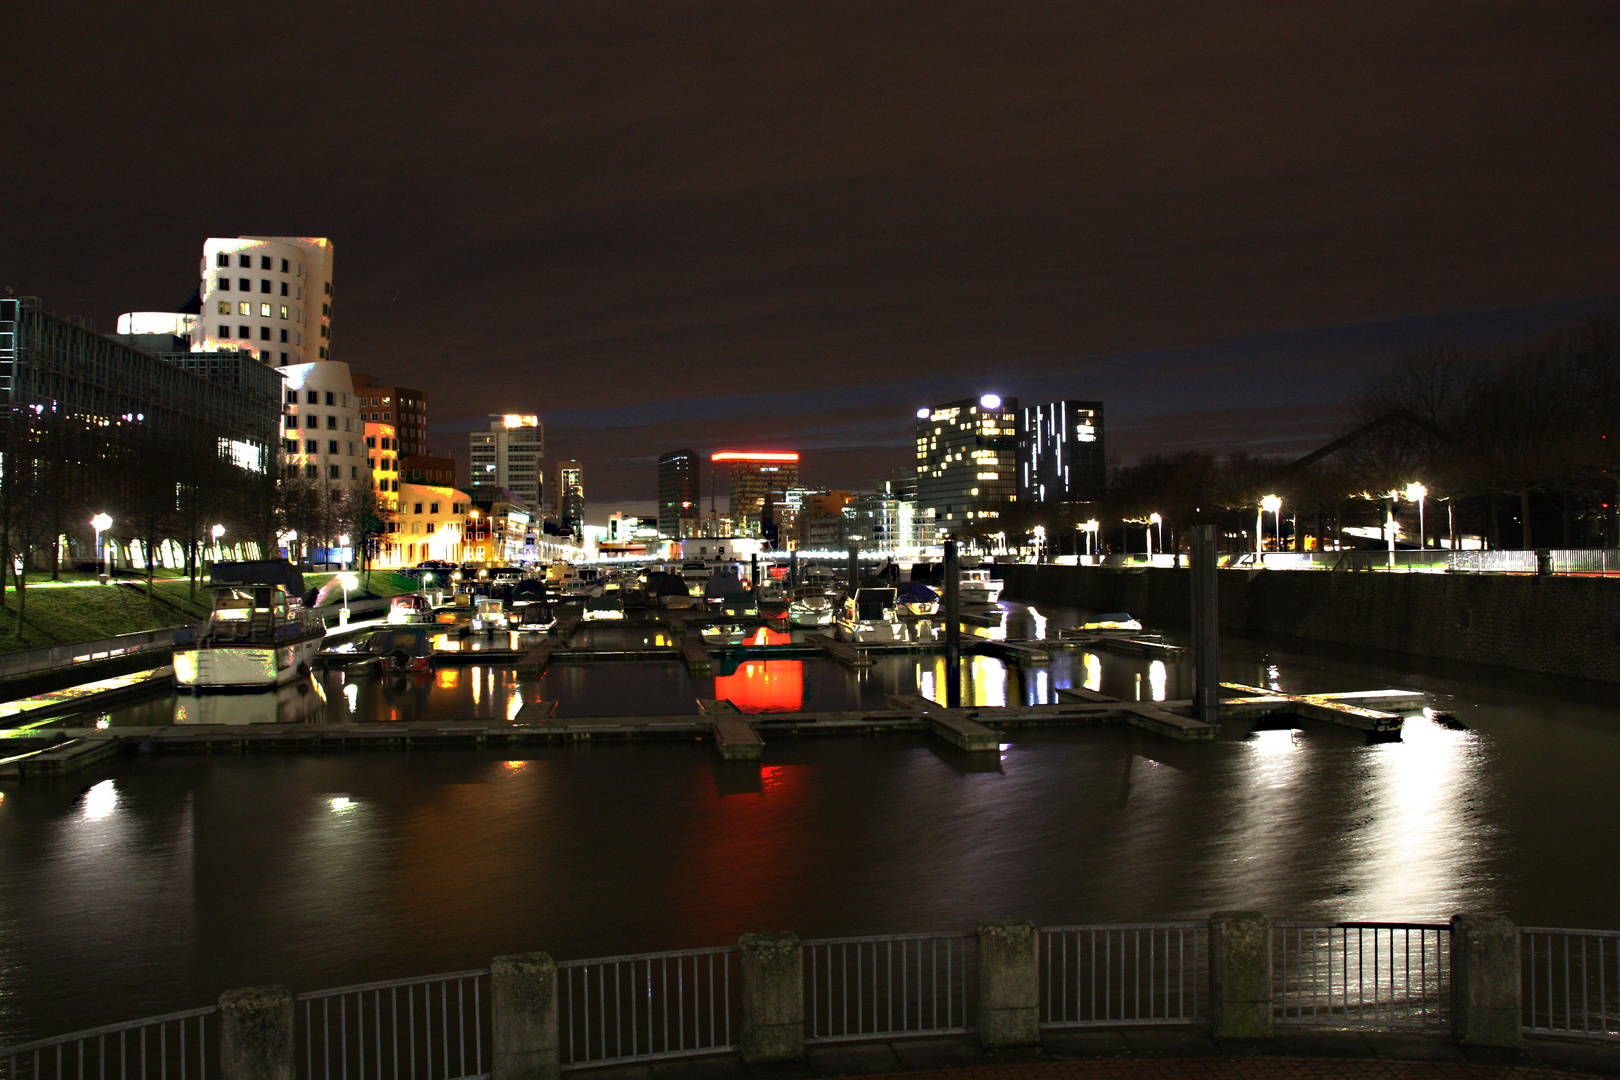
(764, 686)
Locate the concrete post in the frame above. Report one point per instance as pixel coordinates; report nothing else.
(953, 627)
(854, 572)
(523, 1007)
(256, 1034)
(793, 568)
(1206, 626)
(1485, 981)
(1240, 975)
(772, 969)
(1009, 984)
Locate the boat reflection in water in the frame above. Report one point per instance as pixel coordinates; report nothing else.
(302, 702)
(762, 686)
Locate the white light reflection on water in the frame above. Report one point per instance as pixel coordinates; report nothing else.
(1040, 624)
(1412, 859)
(514, 703)
(100, 801)
(989, 681)
(351, 694)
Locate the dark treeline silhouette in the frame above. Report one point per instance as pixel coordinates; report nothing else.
(1513, 445)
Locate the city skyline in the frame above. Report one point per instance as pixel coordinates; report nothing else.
(1221, 222)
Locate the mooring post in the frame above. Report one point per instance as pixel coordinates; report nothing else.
(1206, 626)
(953, 628)
(793, 568)
(854, 573)
(753, 570)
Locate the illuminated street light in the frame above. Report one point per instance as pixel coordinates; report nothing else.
(1272, 504)
(101, 523)
(348, 581)
(1040, 540)
(1091, 537)
(1415, 492)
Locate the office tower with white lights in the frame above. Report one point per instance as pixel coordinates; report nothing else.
(507, 457)
(967, 461)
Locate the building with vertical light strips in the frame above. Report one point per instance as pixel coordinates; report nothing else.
(1060, 453)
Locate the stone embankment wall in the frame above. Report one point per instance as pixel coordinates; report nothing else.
(1555, 625)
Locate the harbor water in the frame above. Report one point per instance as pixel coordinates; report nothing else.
(158, 881)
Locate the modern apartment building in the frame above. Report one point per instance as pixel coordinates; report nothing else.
(753, 474)
(507, 457)
(268, 294)
(426, 469)
(678, 509)
(967, 461)
(400, 406)
(1060, 453)
(382, 457)
(430, 523)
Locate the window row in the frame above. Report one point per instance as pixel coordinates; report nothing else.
(388, 443)
(313, 423)
(246, 285)
(266, 311)
(313, 397)
(246, 334)
(265, 263)
(334, 472)
(388, 464)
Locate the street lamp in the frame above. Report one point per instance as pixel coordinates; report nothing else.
(101, 523)
(1091, 538)
(1272, 504)
(348, 581)
(1040, 540)
(216, 532)
(1415, 492)
(343, 542)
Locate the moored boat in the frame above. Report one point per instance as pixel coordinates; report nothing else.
(1113, 624)
(259, 634)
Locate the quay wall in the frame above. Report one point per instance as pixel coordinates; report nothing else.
(1553, 625)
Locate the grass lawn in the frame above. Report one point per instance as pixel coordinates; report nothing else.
(76, 608)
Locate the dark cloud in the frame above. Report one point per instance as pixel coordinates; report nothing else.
(666, 224)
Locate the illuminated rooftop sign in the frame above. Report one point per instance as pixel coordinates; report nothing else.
(514, 420)
(745, 455)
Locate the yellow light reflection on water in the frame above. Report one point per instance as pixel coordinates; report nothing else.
(989, 681)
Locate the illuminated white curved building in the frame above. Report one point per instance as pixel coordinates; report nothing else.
(271, 295)
(323, 437)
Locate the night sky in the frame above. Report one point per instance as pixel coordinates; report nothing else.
(787, 225)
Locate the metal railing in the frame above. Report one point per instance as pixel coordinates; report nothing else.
(1135, 973)
(174, 1046)
(51, 657)
(648, 1006)
(899, 984)
(1387, 974)
(1570, 982)
(432, 1028)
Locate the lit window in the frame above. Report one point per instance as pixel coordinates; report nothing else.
(244, 308)
(264, 311)
(283, 312)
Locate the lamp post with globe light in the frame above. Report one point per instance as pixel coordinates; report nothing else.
(1091, 538)
(1415, 492)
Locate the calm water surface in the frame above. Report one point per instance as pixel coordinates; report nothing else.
(159, 881)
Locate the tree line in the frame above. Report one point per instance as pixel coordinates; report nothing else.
(57, 472)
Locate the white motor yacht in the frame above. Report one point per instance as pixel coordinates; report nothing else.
(259, 634)
(978, 587)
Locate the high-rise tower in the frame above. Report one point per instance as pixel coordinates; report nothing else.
(967, 461)
(507, 456)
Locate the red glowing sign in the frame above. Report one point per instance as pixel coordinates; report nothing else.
(751, 455)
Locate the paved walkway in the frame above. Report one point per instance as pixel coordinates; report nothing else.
(1161, 1054)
